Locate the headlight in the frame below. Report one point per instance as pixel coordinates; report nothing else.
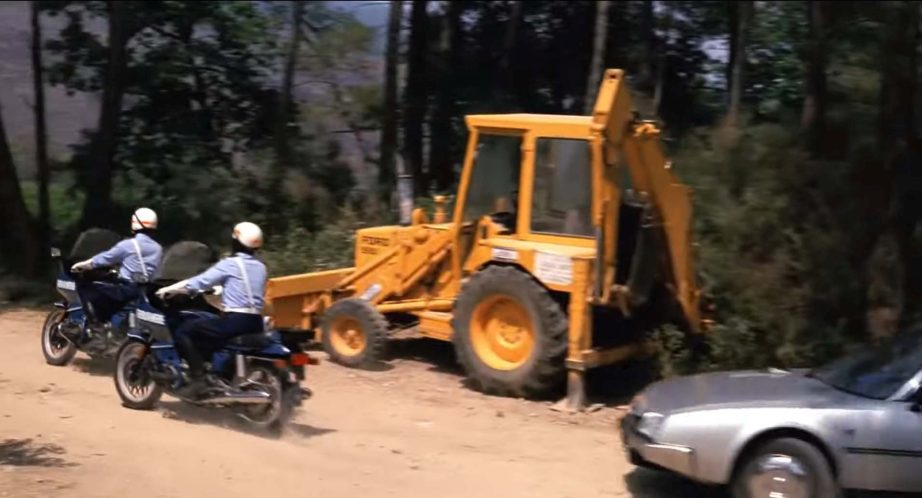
(638, 404)
(650, 424)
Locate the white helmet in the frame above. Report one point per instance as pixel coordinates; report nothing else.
(143, 218)
(248, 234)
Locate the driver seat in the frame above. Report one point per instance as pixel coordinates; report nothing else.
(256, 340)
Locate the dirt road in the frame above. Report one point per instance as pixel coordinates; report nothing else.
(411, 431)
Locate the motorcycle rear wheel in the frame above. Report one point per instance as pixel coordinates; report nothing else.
(272, 416)
(135, 387)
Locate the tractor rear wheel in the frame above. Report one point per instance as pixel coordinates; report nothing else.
(509, 334)
(354, 333)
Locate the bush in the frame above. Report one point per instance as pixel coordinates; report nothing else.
(301, 251)
(775, 232)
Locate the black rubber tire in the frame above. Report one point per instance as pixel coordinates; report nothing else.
(275, 420)
(374, 327)
(544, 373)
(122, 358)
(823, 481)
(67, 353)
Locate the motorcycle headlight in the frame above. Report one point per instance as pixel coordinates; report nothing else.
(650, 424)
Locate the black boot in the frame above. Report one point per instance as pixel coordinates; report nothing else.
(95, 334)
(194, 388)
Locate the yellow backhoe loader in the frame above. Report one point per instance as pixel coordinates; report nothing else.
(565, 230)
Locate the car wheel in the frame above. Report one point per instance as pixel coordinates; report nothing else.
(785, 468)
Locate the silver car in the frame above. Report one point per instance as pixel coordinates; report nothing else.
(855, 423)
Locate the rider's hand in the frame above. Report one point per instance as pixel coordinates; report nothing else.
(82, 266)
(177, 288)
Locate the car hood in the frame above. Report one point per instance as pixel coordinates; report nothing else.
(763, 388)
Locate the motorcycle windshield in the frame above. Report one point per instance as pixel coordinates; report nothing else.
(184, 260)
(92, 242)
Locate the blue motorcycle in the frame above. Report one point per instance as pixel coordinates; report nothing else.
(65, 330)
(257, 375)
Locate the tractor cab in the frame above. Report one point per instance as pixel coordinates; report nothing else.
(530, 173)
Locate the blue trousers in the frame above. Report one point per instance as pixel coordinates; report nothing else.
(106, 298)
(202, 338)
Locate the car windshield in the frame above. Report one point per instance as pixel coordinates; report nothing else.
(876, 373)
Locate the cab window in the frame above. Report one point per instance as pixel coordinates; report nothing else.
(494, 183)
(562, 197)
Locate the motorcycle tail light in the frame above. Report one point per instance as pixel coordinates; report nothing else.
(301, 359)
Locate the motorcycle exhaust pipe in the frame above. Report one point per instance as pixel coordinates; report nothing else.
(247, 398)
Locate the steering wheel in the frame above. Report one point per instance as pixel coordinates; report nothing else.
(504, 218)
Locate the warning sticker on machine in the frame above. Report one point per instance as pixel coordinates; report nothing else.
(502, 254)
(553, 268)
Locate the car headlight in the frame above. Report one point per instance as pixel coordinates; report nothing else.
(638, 404)
(650, 424)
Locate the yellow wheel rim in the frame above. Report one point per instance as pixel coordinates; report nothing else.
(502, 333)
(347, 336)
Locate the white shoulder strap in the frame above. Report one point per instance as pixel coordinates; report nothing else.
(137, 250)
(246, 280)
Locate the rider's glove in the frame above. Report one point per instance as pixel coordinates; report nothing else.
(82, 266)
(177, 288)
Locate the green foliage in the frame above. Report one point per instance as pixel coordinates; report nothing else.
(775, 71)
(300, 251)
(776, 237)
(65, 204)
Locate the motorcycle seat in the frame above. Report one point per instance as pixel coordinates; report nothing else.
(258, 340)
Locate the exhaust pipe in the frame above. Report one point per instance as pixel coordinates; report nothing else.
(239, 398)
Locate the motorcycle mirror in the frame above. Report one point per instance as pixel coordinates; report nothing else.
(55, 252)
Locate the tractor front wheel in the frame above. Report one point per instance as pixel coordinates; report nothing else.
(354, 333)
(510, 335)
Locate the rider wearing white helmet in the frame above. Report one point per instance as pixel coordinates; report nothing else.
(243, 281)
(138, 259)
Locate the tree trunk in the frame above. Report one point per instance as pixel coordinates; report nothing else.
(386, 174)
(898, 73)
(415, 96)
(98, 208)
(740, 18)
(507, 75)
(440, 150)
(600, 34)
(285, 119)
(648, 48)
(813, 120)
(41, 136)
(19, 244)
(897, 141)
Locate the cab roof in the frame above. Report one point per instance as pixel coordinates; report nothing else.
(551, 124)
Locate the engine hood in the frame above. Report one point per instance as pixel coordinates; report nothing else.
(761, 388)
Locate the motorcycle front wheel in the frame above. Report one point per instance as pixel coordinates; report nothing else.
(57, 349)
(135, 387)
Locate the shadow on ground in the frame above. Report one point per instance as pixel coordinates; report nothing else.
(645, 483)
(27, 453)
(611, 385)
(226, 419)
(103, 367)
(440, 355)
